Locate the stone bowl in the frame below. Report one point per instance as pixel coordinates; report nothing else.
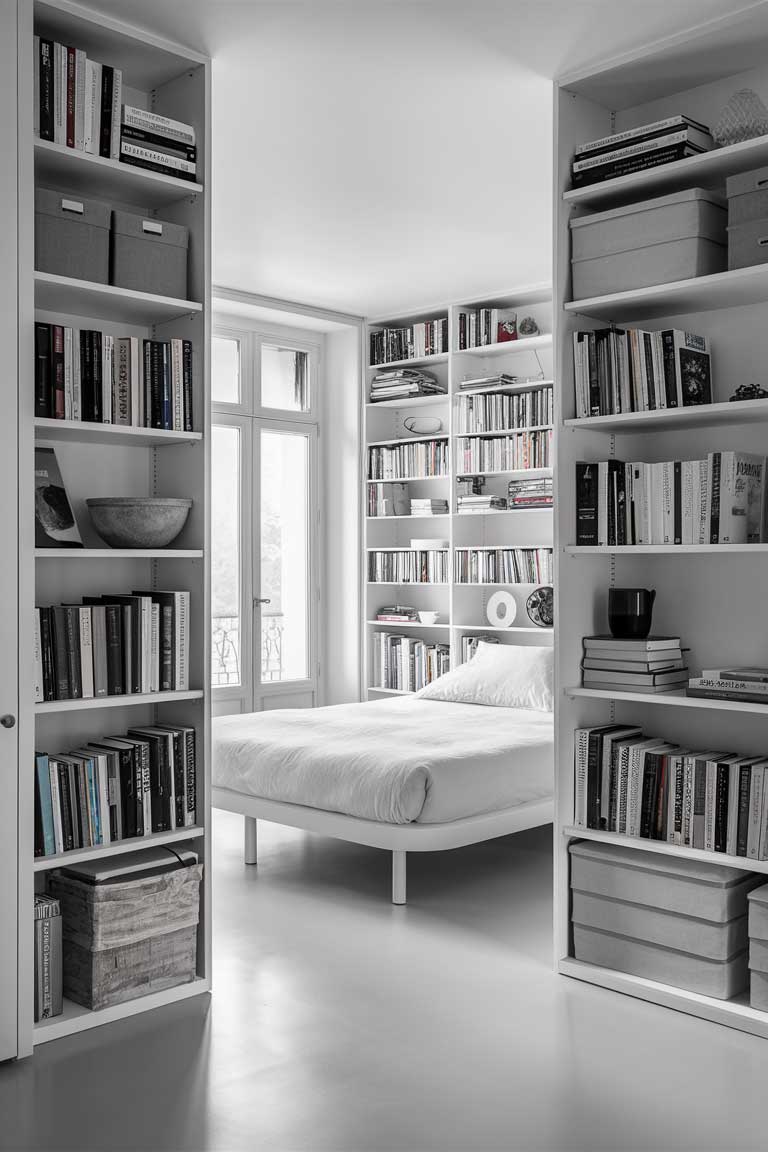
(138, 521)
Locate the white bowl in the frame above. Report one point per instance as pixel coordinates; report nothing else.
(429, 617)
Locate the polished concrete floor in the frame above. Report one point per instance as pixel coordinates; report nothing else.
(339, 1022)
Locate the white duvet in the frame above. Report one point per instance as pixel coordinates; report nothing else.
(394, 761)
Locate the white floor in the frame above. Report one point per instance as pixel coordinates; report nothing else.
(340, 1022)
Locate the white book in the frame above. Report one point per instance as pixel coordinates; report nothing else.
(688, 485)
(58, 834)
(689, 778)
(107, 344)
(101, 764)
(157, 156)
(754, 827)
(581, 756)
(38, 660)
(77, 377)
(68, 375)
(703, 502)
(654, 144)
(86, 651)
(609, 773)
(154, 649)
(146, 644)
(136, 383)
(635, 782)
(159, 125)
(656, 503)
(668, 502)
(80, 99)
(710, 802)
(177, 386)
(92, 107)
(117, 103)
(121, 398)
(59, 103)
(753, 687)
(657, 354)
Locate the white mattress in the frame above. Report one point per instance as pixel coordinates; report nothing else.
(395, 761)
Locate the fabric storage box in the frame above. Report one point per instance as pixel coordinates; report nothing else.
(747, 196)
(149, 255)
(657, 241)
(128, 938)
(747, 244)
(758, 990)
(758, 913)
(71, 236)
(711, 892)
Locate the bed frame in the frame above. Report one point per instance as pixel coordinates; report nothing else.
(398, 839)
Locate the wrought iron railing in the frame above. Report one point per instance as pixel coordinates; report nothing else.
(226, 654)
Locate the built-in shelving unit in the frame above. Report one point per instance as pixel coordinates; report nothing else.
(113, 460)
(461, 605)
(709, 595)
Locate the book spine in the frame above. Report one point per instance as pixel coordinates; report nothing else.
(167, 656)
(186, 371)
(157, 158)
(72, 625)
(92, 107)
(182, 633)
(742, 822)
(710, 805)
(70, 110)
(46, 98)
(107, 376)
(67, 809)
(165, 382)
(714, 498)
(46, 803)
(163, 144)
(117, 101)
(59, 403)
(160, 125)
(114, 645)
(190, 817)
(177, 386)
(721, 807)
(122, 393)
(677, 501)
(581, 737)
(755, 812)
(586, 504)
(59, 97)
(105, 111)
(43, 406)
(97, 383)
(86, 652)
(80, 100)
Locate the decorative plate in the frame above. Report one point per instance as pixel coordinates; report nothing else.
(540, 606)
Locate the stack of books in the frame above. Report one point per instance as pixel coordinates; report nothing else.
(76, 101)
(629, 370)
(749, 685)
(655, 664)
(112, 646)
(397, 614)
(115, 788)
(649, 788)
(480, 326)
(85, 374)
(423, 506)
(538, 492)
(401, 383)
(469, 504)
(646, 146)
(412, 342)
(157, 143)
(720, 500)
(500, 380)
(49, 999)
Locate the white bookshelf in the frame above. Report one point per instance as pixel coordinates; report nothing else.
(108, 460)
(461, 605)
(711, 596)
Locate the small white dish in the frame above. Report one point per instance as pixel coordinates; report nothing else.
(429, 617)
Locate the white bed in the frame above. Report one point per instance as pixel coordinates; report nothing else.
(406, 774)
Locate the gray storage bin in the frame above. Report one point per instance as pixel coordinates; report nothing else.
(657, 241)
(71, 236)
(149, 255)
(758, 991)
(747, 196)
(711, 941)
(758, 955)
(748, 244)
(758, 913)
(718, 978)
(711, 892)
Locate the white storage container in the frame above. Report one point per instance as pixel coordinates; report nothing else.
(747, 196)
(674, 237)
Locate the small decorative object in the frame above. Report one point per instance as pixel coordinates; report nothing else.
(629, 612)
(138, 521)
(55, 525)
(422, 425)
(529, 327)
(749, 392)
(501, 609)
(540, 606)
(744, 117)
(506, 327)
(429, 617)
(427, 544)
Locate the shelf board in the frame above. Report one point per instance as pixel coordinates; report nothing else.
(435, 358)
(408, 401)
(75, 1018)
(666, 849)
(675, 697)
(409, 516)
(496, 584)
(102, 851)
(57, 166)
(508, 389)
(523, 344)
(85, 432)
(707, 170)
(398, 440)
(402, 548)
(504, 431)
(531, 630)
(125, 701)
(698, 416)
(662, 549)
(396, 625)
(409, 480)
(496, 547)
(734, 289)
(407, 583)
(105, 302)
(505, 472)
(504, 511)
(118, 553)
(390, 691)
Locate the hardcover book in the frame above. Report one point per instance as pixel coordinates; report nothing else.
(55, 524)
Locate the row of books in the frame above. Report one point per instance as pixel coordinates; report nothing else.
(504, 453)
(77, 102)
(409, 342)
(116, 788)
(85, 374)
(720, 500)
(405, 663)
(655, 664)
(503, 565)
(630, 370)
(411, 458)
(498, 411)
(402, 383)
(531, 492)
(112, 646)
(637, 149)
(480, 326)
(746, 684)
(411, 566)
(649, 788)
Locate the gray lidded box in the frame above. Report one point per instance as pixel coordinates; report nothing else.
(747, 244)
(747, 196)
(712, 892)
(673, 237)
(71, 236)
(149, 255)
(758, 991)
(758, 913)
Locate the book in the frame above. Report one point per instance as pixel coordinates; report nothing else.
(639, 679)
(641, 132)
(150, 157)
(685, 134)
(159, 125)
(48, 982)
(679, 150)
(55, 524)
(649, 644)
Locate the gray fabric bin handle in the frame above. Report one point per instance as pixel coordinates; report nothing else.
(152, 226)
(72, 206)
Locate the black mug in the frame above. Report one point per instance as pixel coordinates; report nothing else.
(629, 612)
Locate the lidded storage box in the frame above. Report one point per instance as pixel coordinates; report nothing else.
(758, 948)
(149, 255)
(71, 236)
(667, 919)
(128, 938)
(657, 241)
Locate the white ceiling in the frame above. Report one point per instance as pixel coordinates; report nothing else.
(379, 155)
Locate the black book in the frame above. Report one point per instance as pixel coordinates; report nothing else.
(646, 352)
(159, 143)
(670, 374)
(165, 370)
(131, 783)
(39, 837)
(594, 382)
(113, 614)
(72, 618)
(141, 762)
(46, 89)
(621, 506)
(167, 638)
(594, 757)
(65, 803)
(160, 745)
(86, 375)
(742, 826)
(43, 405)
(187, 787)
(615, 470)
(721, 807)
(58, 403)
(178, 748)
(586, 504)
(714, 514)
(96, 377)
(649, 796)
(152, 166)
(632, 164)
(677, 500)
(46, 645)
(105, 119)
(186, 383)
(132, 636)
(83, 801)
(62, 687)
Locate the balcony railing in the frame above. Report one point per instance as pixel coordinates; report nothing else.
(226, 654)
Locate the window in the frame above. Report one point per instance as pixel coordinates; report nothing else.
(226, 657)
(284, 378)
(225, 370)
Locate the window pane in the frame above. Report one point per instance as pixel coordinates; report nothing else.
(284, 556)
(225, 370)
(225, 559)
(284, 379)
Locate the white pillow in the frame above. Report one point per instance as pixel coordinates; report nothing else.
(500, 675)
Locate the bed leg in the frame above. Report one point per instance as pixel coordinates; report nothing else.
(398, 877)
(250, 839)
